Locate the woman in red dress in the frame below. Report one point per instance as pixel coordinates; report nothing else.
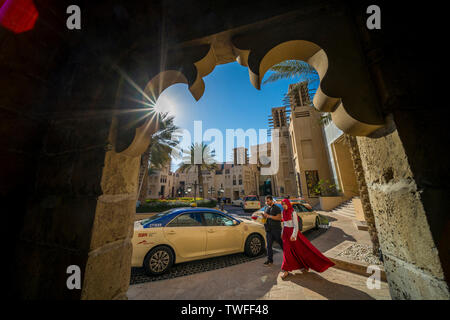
(298, 252)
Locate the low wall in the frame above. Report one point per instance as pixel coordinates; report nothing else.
(329, 203)
(358, 209)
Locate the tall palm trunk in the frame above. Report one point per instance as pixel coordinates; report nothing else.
(200, 181)
(363, 192)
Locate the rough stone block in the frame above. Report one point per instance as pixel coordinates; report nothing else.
(87, 172)
(401, 221)
(41, 271)
(120, 174)
(407, 281)
(60, 221)
(113, 219)
(108, 271)
(77, 135)
(55, 174)
(20, 133)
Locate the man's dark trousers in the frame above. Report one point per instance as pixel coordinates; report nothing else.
(271, 236)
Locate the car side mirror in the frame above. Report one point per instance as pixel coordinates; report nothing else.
(235, 222)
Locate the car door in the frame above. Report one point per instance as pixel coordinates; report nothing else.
(222, 235)
(187, 234)
(309, 216)
(306, 219)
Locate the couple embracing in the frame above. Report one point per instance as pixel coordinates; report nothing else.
(298, 252)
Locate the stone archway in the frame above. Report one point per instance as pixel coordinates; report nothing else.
(80, 171)
(189, 64)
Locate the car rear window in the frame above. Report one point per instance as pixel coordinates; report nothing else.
(251, 199)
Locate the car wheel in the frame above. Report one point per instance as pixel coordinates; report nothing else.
(254, 245)
(317, 223)
(158, 261)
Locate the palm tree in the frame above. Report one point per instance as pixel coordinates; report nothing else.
(298, 69)
(158, 152)
(205, 161)
(291, 69)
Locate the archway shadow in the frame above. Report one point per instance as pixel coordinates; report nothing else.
(328, 289)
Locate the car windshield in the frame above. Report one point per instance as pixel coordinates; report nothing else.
(251, 199)
(157, 216)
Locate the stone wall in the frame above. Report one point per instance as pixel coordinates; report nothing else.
(411, 259)
(107, 273)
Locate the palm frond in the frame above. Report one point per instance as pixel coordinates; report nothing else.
(325, 118)
(291, 69)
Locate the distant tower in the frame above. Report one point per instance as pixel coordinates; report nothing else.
(240, 155)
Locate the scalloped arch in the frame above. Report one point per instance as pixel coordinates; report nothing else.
(260, 60)
(191, 74)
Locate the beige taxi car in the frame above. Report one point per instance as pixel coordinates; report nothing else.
(251, 203)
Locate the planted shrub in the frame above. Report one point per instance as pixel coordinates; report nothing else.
(155, 205)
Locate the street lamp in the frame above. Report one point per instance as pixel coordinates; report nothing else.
(211, 191)
(189, 189)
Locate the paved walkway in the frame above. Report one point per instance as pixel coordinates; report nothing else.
(253, 280)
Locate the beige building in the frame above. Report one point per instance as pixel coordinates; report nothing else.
(310, 158)
(343, 165)
(229, 180)
(160, 183)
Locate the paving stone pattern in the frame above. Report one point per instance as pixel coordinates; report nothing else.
(187, 268)
(360, 252)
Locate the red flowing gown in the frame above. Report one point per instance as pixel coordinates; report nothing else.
(301, 253)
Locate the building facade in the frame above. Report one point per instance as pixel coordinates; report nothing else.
(310, 158)
(160, 183)
(340, 161)
(229, 180)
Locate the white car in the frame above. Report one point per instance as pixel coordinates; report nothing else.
(251, 203)
(309, 218)
(238, 202)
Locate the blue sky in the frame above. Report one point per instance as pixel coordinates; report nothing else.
(229, 101)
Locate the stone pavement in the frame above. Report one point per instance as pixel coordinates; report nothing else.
(253, 280)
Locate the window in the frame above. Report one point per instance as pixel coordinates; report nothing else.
(215, 219)
(251, 199)
(187, 220)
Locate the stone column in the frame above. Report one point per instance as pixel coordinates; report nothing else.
(411, 258)
(363, 193)
(108, 267)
